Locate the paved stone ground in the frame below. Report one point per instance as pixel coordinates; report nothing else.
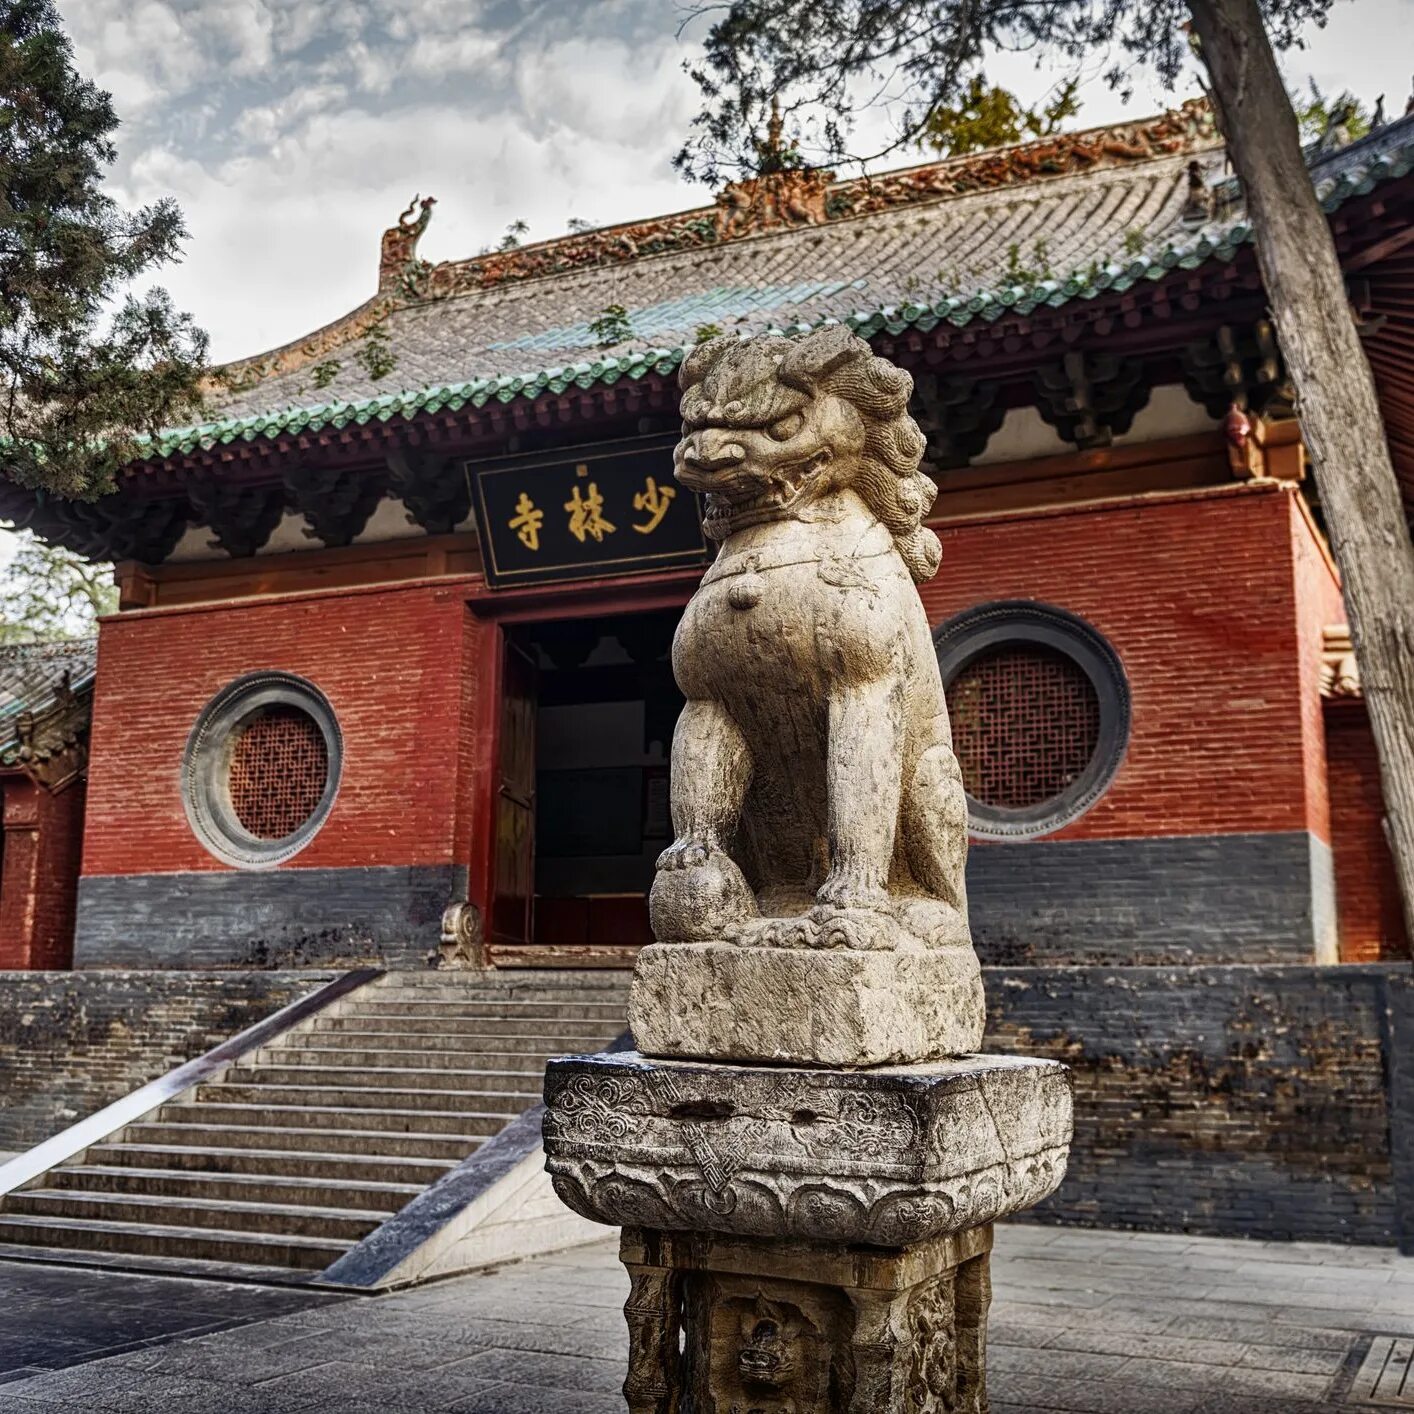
(55, 1317)
(1083, 1322)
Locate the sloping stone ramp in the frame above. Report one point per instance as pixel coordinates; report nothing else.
(287, 1160)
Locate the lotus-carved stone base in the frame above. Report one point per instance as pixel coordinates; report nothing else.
(807, 1006)
(888, 1157)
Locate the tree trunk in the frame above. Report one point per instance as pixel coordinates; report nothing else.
(1340, 416)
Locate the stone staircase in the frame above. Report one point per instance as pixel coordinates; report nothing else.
(298, 1151)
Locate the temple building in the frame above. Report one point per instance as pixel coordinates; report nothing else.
(395, 624)
(389, 683)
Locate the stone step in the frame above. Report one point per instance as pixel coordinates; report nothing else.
(310, 1117)
(527, 1043)
(556, 1031)
(312, 1163)
(503, 1102)
(610, 1013)
(380, 1143)
(517, 982)
(160, 1266)
(415, 1076)
(284, 1219)
(357, 1056)
(364, 1194)
(157, 1239)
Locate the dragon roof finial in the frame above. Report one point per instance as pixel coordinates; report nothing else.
(399, 249)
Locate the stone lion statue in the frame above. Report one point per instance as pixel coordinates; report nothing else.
(816, 799)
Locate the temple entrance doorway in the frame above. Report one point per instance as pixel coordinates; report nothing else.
(588, 711)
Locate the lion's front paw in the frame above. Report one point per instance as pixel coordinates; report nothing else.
(842, 891)
(690, 852)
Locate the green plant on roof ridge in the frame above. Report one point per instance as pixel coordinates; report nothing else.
(1337, 120)
(511, 240)
(611, 326)
(375, 355)
(1134, 239)
(324, 373)
(703, 332)
(987, 116)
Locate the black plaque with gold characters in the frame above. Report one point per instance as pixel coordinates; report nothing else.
(582, 512)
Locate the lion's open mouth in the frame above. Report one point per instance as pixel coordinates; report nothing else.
(733, 507)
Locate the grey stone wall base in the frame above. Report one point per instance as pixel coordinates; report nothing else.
(1177, 899)
(1399, 1047)
(73, 1042)
(287, 917)
(1254, 1101)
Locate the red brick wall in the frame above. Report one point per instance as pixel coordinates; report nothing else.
(390, 661)
(1368, 913)
(1198, 595)
(1209, 598)
(39, 873)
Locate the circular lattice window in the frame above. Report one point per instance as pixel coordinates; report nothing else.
(1040, 715)
(261, 769)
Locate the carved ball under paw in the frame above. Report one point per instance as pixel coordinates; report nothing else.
(699, 902)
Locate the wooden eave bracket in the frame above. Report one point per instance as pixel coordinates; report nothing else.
(1267, 450)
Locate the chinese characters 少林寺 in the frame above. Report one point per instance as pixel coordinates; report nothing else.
(587, 514)
(527, 522)
(655, 500)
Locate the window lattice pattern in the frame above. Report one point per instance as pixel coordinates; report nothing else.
(279, 768)
(1026, 723)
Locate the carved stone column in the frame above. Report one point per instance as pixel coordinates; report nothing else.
(807, 1156)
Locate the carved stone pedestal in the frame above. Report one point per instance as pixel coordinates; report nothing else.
(731, 1326)
(805, 1241)
(807, 1006)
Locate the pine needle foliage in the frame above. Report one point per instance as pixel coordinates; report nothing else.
(86, 365)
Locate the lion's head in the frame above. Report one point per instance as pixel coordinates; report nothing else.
(772, 425)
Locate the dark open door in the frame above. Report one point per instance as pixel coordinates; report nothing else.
(513, 883)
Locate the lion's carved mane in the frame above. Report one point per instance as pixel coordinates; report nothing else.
(833, 362)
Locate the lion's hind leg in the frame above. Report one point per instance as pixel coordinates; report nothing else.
(933, 819)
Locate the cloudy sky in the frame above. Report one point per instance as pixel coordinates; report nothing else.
(293, 131)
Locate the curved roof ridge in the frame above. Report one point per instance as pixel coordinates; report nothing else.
(766, 205)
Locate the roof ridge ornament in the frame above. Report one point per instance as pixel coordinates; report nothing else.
(786, 194)
(398, 258)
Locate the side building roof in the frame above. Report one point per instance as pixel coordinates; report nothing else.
(45, 695)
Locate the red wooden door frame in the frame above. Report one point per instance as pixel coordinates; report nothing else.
(496, 610)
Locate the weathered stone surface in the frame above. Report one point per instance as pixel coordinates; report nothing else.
(839, 1007)
(817, 803)
(744, 1327)
(888, 1157)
